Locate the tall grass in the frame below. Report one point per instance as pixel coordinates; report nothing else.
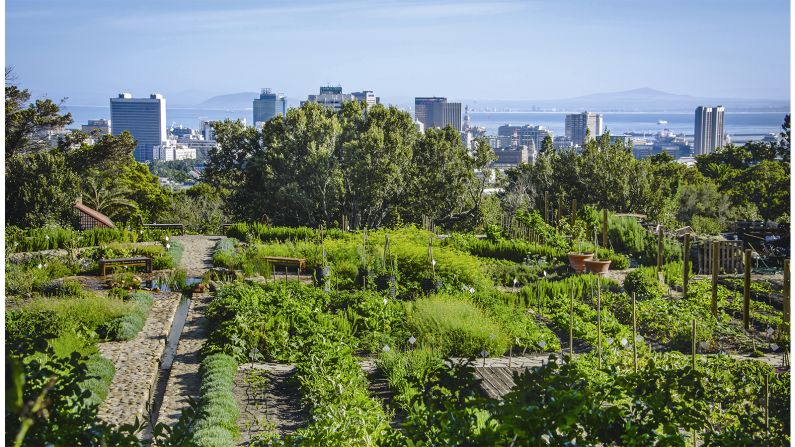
(454, 326)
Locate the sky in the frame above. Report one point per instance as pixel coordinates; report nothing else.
(89, 51)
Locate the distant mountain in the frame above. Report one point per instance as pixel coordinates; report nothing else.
(636, 100)
(232, 101)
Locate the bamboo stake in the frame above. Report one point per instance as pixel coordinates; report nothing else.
(604, 228)
(715, 270)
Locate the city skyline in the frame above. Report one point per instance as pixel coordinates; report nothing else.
(388, 47)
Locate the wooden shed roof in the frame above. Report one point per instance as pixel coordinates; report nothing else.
(96, 215)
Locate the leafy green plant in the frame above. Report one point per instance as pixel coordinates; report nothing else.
(217, 422)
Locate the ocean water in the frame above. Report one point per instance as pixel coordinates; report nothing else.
(742, 125)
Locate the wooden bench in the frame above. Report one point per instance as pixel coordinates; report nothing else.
(166, 226)
(287, 262)
(142, 261)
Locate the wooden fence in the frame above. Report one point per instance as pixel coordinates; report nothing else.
(730, 255)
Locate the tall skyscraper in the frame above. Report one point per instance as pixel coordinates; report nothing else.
(708, 134)
(268, 105)
(577, 123)
(144, 118)
(437, 112)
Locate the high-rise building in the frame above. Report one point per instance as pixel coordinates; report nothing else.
(708, 134)
(437, 112)
(268, 105)
(96, 127)
(332, 97)
(524, 135)
(578, 123)
(144, 118)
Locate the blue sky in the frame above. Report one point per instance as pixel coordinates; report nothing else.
(503, 49)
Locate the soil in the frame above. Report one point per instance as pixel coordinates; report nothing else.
(269, 399)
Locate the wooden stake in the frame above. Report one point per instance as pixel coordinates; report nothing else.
(715, 270)
(785, 315)
(767, 405)
(634, 333)
(686, 262)
(660, 231)
(571, 325)
(599, 318)
(604, 228)
(694, 344)
(747, 291)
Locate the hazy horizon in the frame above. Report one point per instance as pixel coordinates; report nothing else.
(89, 51)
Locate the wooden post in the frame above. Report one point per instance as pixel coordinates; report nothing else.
(686, 262)
(660, 231)
(573, 211)
(715, 270)
(571, 325)
(694, 344)
(634, 333)
(604, 228)
(599, 318)
(546, 206)
(747, 291)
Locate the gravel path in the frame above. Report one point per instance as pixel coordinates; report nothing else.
(136, 363)
(197, 254)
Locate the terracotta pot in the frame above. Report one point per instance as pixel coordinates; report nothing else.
(577, 261)
(598, 267)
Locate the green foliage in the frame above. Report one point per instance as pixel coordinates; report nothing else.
(52, 237)
(264, 233)
(127, 326)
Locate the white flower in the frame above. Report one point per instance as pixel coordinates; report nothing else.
(624, 342)
(385, 348)
(471, 290)
(166, 238)
(39, 266)
(412, 340)
(168, 246)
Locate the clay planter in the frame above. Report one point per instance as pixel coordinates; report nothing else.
(198, 288)
(598, 267)
(577, 261)
(386, 283)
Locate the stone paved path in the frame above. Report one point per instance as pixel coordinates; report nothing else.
(136, 363)
(184, 379)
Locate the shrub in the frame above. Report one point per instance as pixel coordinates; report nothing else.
(453, 325)
(644, 283)
(218, 411)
